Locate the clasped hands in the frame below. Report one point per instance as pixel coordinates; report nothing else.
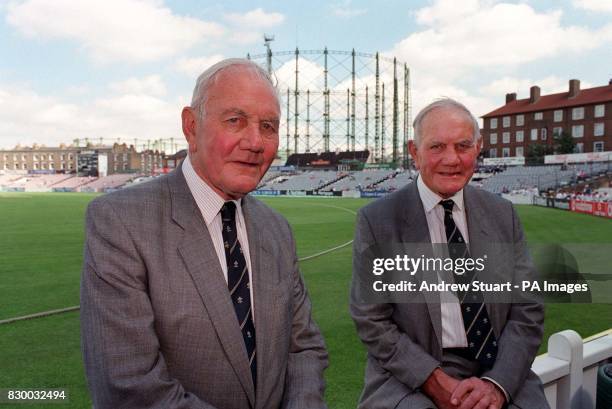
(471, 393)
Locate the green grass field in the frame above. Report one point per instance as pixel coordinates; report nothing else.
(40, 259)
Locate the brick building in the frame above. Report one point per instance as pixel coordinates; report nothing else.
(120, 158)
(585, 114)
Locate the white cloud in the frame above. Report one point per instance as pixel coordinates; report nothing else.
(594, 5)
(247, 28)
(123, 30)
(150, 85)
(256, 18)
(27, 117)
(488, 39)
(193, 67)
(345, 10)
(484, 35)
(245, 37)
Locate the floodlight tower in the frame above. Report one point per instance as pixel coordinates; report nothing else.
(267, 40)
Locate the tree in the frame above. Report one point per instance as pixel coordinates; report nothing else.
(536, 152)
(564, 143)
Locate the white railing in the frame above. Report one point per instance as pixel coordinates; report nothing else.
(569, 369)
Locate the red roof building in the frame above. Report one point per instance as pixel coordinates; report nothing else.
(585, 114)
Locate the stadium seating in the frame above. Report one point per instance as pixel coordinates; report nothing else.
(541, 177)
(400, 180)
(108, 182)
(360, 180)
(312, 180)
(74, 182)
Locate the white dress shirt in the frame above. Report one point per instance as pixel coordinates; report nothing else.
(210, 204)
(453, 330)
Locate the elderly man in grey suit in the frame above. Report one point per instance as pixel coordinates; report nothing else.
(467, 352)
(191, 295)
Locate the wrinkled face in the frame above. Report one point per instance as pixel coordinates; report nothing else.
(232, 147)
(447, 152)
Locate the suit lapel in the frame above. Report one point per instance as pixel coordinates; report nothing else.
(481, 242)
(417, 231)
(264, 289)
(198, 253)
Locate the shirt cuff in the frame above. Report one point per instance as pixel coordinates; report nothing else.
(493, 381)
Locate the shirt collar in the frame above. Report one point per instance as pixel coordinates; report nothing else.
(209, 202)
(430, 198)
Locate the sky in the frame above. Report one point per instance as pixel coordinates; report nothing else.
(122, 70)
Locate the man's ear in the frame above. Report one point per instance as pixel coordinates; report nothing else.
(412, 148)
(479, 144)
(190, 124)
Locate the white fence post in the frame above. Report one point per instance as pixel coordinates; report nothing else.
(567, 346)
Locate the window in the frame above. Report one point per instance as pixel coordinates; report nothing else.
(493, 153)
(578, 131)
(62, 166)
(598, 147)
(578, 113)
(506, 137)
(62, 156)
(25, 166)
(51, 166)
(534, 134)
(35, 165)
(598, 129)
(520, 135)
(23, 157)
(493, 123)
(557, 131)
(544, 133)
(558, 115)
(520, 120)
(538, 116)
(519, 151)
(35, 157)
(505, 152)
(493, 139)
(506, 121)
(50, 156)
(579, 148)
(600, 110)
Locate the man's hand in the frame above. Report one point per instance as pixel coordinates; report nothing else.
(439, 387)
(476, 393)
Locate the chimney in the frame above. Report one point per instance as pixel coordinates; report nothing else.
(574, 88)
(510, 97)
(534, 94)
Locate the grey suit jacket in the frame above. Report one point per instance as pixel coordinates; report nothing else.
(404, 340)
(158, 326)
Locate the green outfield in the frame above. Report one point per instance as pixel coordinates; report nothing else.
(40, 259)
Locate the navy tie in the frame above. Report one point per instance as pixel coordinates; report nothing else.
(238, 283)
(482, 343)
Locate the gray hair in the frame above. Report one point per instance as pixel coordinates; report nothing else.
(208, 77)
(446, 103)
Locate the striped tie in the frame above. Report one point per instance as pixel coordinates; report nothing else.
(238, 282)
(482, 343)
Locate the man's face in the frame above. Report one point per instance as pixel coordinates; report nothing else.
(232, 147)
(447, 152)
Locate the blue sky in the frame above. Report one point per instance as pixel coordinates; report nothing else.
(124, 68)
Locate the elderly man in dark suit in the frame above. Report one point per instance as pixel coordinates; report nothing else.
(465, 352)
(191, 295)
